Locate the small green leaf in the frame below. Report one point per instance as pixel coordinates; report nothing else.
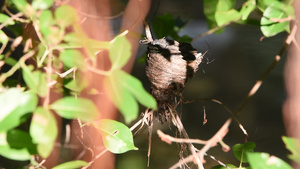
(228, 165)
(4, 18)
(247, 8)
(224, 17)
(13, 106)
(265, 161)
(42, 4)
(76, 85)
(293, 145)
(43, 130)
(136, 88)
(36, 80)
(72, 165)
(46, 21)
(3, 38)
(72, 108)
(10, 61)
(121, 97)
(65, 16)
(117, 137)
(18, 139)
(72, 58)
(240, 150)
(24, 6)
(119, 52)
(7, 151)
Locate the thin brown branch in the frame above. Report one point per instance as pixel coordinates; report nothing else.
(11, 19)
(169, 139)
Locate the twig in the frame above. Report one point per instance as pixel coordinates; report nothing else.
(210, 143)
(169, 139)
(11, 19)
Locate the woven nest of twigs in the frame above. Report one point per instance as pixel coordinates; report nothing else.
(170, 64)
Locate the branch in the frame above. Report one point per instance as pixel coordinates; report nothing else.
(169, 139)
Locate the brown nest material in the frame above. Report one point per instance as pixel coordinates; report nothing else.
(170, 64)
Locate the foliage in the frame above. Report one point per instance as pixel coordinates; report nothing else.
(56, 47)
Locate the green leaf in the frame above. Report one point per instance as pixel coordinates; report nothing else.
(209, 9)
(136, 88)
(3, 38)
(222, 167)
(271, 28)
(72, 58)
(4, 18)
(117, 137)
(225, 12)
(76, 85)
(24, 7)
(293, 145)
(163, 25)
(72, 108)
(65, 16)
(247, 8)
(265, 161)
(46, 21)
(14, 104)
(240, 150)
(72, 165)
(20, 148)
(35, 80)
(42, 4)
(119, 52)
(43, 130)
(121, 97)
(10, 61)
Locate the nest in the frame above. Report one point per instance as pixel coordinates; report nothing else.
(170, 64)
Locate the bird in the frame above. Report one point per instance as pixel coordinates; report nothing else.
(169, 65)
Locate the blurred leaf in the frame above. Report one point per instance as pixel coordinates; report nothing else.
(4, 18)
(222, 167)
(10, 61)
(271, 28)
(136, 88)
(119, 52)
(24, 7)
(225, 12)
(247, 8)
(65, 16)
(76, 85)
(240, 150)
(72, 108)
(21, 154)
(42, 4)
(265, 161)
(72, 58)
(72, 165)
(18, 139)
(3, 38)
(121, 97)
(14, 104)
(293, 145)
(46, 21)
(163, 25)
(35, 80)
(117, 137)
(43, 130)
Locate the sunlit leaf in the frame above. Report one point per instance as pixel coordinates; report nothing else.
(72, 108)
(119, 52)
(225, 12)
(240, 150)
(20, 154)
(24, 6)
(3, 37)
(42, 4)
(16, 145)
(43, 130)
(65, 16)
(14, 104)
(117, 137)
(35, 80)
(270, 27)
(10, 61)
(293, 145)
(45, 149)
(247, 8)
(71, 165)
(265, 161)
(4, 18)
(121, 97)
(72, 58)
(46, 21)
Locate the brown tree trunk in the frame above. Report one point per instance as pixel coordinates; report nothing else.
(291, 110)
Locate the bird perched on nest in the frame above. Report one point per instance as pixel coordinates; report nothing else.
(170, 64)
